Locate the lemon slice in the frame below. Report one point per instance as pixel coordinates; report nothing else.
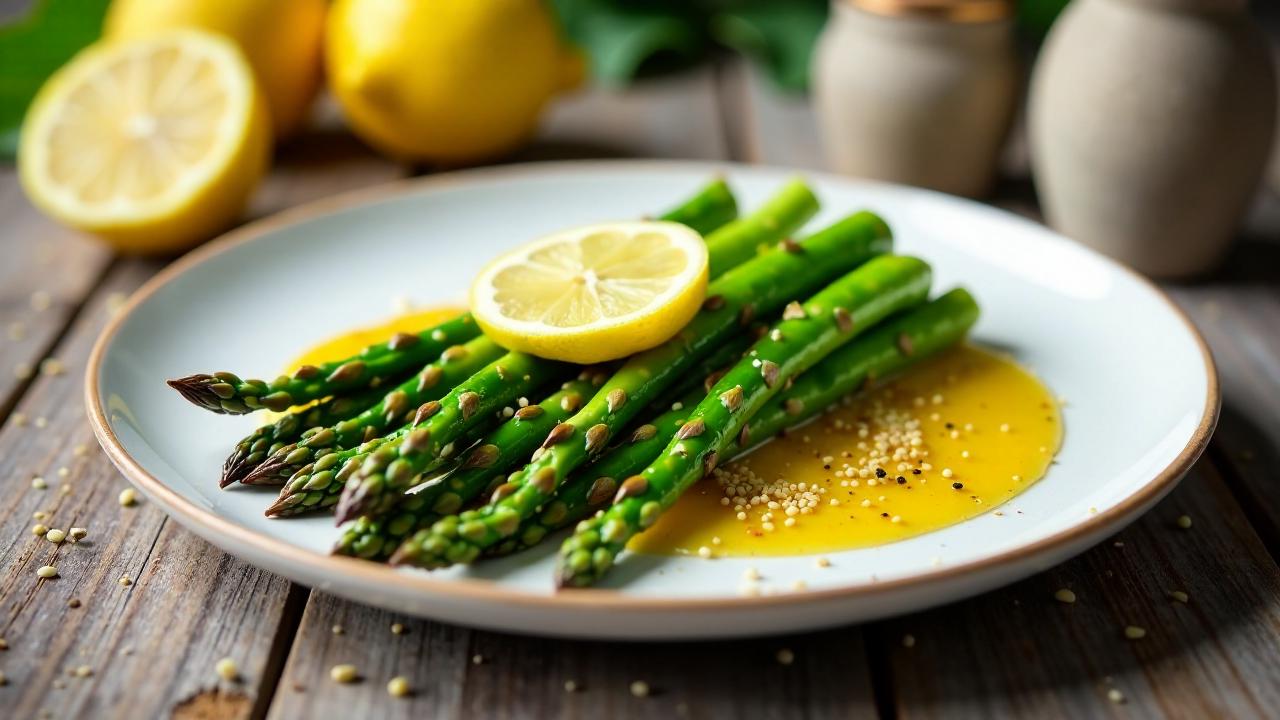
(593, 293)
(153, 144)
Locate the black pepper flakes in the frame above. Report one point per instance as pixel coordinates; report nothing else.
(880, 473)
(957, 485)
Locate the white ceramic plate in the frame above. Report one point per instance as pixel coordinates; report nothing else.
(1141, 391)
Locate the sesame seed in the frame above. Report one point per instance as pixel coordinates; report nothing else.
(47, 571)
(1115, 696)
(823, 562)
(1179, 596)
(946, 472)
(336, 630)
(677, 406)
(73, 603)
(570, 686)
(80, 450)
(39, 530)
(38, 483)
(23, 371)
(55, 536)
(908, 641)
(895, 519)
(4, 680)
(125, 581)
(83, 671)
(344, 673)
(1184, 522)
(78, 534)
(477, 659)
(128, 497)
(51, 366)
(640, 688)
(786, 656)
(1133, 632)
(397, 629)
(704, 552)
(227, 669)
(398, 686)
(1065, 596)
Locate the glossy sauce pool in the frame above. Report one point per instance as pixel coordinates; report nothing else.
(351, 343)
(987, 429)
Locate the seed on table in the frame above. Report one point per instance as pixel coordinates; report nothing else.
(477, 659)
(47, 571)
(227, 669)
(128, 497)
(1065, 596)
(397, 629)
(125, 581)
(1133, 632)
(23, 371)
(1179, 596)
(51, 366)
(39, 530)
(73, 603)
(42, 422)
(344, 673)
(570, 686)
(78, 534)
(55, 536)
(1184, 522)
(640, 689)
(398, 686)
(83, 671)
(786, 656)
(337, 630)
(908, 641)
(38, 483)
(1115, 696)
(4, 644)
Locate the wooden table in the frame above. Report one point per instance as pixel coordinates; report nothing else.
(147, 647)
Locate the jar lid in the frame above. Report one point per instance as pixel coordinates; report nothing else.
(961, 11)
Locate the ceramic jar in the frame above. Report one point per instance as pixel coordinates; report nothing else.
(920, 92)
(1150, 123)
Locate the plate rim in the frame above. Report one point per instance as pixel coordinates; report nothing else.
(341, 568)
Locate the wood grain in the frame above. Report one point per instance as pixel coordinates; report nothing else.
(457, 673)
(150, 644)
(46, 274)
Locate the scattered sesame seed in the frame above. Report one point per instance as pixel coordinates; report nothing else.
(570, 686)
(73, 603)
(38, 483)
(1133, 632)
(336, 630)
(1179, 596)
(51, 366)
(42, 422)
(477, 659)
(227, 669)
(398, 686)
(78, 533)
(23, 371)
(128, 497)
(1115, 696)
(63, 472)
(47, 571)
(125, 581)
(677, 406)
(786, 656)
(1065, 595)
(704, 552)
(908, 641)
(4, 680)
(640, 688)
(946, 472)
(55, 536)
(895, 519)
(84, 671)
(4, 644)
(397, 629)
(80, 450)
(1184, 522)
(19, 419)
(39, 530)
(823, 562)
(344, 673)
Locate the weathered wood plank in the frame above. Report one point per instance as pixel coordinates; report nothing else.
(150, 644)
(458, 673)
(671, 116)
(47, 273)
(1020, 652)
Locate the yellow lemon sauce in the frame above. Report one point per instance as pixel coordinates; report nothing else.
(352, 342)
(954, 437)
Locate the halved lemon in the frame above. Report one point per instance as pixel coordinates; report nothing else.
(153, 144)
(593, 293)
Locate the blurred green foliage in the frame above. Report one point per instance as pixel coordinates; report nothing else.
(33, 47)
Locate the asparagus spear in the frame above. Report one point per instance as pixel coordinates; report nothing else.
(375, 536)
(806, 334)
(888, 348)
(226, 393)
(256, 447)
(392, 468)
(759, 286)
(371, 492)
(455, 364)
(317, 485)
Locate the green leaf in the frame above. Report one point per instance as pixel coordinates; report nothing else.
(623, 38)
(778, 35)
(35, 46)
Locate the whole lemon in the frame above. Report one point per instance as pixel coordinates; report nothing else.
(446, 81)
(280, 38)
